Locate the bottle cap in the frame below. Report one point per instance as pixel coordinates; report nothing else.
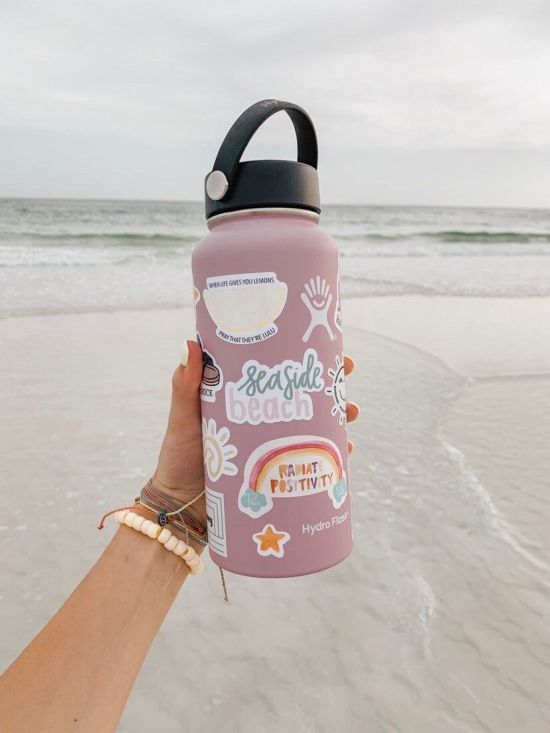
(232, 185)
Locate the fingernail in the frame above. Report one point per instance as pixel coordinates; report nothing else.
(184, 354)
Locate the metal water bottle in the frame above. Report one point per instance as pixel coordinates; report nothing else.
(267, 303)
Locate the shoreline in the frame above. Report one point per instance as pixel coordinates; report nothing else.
(477, 337)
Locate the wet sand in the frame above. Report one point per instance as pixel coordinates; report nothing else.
(439, 619)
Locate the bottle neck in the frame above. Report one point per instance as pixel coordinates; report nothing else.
(271, 212)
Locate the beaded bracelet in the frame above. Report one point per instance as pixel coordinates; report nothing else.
(169, 541)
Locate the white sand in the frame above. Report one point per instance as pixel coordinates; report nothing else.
(437, 622)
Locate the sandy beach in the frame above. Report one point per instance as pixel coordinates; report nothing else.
(439, 619)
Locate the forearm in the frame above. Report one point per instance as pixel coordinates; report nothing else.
(78, 672)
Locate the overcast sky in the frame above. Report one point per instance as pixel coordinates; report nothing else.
(414, 102)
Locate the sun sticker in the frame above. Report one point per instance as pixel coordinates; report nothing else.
(217, 450)
(271, 541)
(337, 390)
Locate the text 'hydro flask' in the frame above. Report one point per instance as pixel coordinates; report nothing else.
(267, 302)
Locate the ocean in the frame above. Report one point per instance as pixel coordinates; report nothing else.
(66, 256)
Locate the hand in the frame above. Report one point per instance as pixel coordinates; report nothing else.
(180, 470)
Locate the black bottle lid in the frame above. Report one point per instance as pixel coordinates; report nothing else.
(232, 185)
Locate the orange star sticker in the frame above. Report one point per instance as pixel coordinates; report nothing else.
(270, 541)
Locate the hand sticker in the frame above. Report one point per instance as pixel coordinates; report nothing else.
(317, 299)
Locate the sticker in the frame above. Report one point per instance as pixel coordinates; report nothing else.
(338, 309)
(245, 307)
(271, 541)
(274, 394)
(215, 516)
(286, 468)
(317, 299)
(212, 377)
(337, 390)
(217, 450)
(196, 296)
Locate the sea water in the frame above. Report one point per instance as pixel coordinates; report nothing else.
(61, 256)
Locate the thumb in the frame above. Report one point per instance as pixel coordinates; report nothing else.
(186, 380)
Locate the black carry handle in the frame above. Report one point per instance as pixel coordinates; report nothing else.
(245, 126)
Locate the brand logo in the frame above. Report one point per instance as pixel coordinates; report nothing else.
(275, 394)
(317, 299)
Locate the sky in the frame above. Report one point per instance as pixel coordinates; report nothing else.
(415, 102)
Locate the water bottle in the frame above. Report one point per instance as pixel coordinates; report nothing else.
(268, 315)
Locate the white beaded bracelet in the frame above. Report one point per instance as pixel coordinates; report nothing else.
(165, 537)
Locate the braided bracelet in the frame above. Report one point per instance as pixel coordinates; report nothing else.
(170, 510)
(163, 521)
(169, 541)
(150, 499)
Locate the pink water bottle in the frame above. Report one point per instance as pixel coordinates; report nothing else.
(267, 302)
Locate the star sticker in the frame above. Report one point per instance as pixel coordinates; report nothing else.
(270, 542)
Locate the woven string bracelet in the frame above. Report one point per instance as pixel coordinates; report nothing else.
(154, 497)
(160, 504)
(168, 540)
(165, 515)
(159, 515)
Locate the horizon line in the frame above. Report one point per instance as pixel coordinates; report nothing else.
(327, 203)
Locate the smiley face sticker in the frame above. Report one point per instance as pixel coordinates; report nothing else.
(337, 390)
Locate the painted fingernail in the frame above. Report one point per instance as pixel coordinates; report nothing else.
(351, 359)
(184, 354)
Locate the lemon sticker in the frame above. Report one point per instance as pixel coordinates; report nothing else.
(245, 307)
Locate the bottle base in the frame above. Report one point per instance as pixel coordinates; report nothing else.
(273, 570)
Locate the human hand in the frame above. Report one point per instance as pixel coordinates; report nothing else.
(180, 469)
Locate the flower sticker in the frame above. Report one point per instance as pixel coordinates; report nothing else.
(217, 450)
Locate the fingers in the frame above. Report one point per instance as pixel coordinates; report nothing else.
(349, 364)
(185, 387)
(352, 408)
(352, 411)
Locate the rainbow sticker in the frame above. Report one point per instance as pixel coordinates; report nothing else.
(287, 468)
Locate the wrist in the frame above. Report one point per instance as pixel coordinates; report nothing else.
(189, 503)
(146, 513)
